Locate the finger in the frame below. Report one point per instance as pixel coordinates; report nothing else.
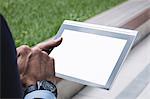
(49, 44)
(51, 71)
(36, 49)
(52, 67)
(22, 56)
(23, 50)
(45, 53)
(48, 63)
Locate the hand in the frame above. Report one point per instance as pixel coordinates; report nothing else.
(35, 64)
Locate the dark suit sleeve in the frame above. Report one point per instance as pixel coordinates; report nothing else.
(10, 81)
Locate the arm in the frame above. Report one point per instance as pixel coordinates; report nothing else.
(10, 82)
(43, 90)
(35, 65)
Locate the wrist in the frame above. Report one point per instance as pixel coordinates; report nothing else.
(29, 83)
(26, 81)
(42, 85)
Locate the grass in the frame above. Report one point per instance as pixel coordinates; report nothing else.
(33, 21)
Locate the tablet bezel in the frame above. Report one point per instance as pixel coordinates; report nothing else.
(119, 33)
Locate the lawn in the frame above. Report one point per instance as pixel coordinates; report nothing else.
(33, 21)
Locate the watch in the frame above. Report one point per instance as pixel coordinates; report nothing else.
(42, 85)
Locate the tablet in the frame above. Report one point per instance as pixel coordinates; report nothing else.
(91, 54)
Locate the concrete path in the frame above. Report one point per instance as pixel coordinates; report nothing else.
(133, 80)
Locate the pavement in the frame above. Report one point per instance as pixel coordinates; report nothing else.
(133, 80)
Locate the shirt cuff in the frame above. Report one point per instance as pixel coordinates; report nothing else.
(44, 94)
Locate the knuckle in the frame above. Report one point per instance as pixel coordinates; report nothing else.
(36, 50)
(25, 47)
(44, 53)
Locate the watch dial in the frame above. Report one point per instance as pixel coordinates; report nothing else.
(48, 86)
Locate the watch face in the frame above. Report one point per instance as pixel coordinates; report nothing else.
(47, 85)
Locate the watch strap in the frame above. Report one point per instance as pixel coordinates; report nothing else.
(47, 85)
(30, 89)
(41, 85)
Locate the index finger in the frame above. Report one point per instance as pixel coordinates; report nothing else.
(49, 44)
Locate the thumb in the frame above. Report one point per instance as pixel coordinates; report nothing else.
(49, 44)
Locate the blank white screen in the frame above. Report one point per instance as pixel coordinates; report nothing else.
(86, 56)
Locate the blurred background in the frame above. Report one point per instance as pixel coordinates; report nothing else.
(33, 21)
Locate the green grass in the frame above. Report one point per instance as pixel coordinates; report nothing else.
(33, 21)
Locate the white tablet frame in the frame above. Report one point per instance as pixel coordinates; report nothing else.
(129, 35)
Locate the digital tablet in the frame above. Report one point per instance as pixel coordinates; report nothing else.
(91, 54)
